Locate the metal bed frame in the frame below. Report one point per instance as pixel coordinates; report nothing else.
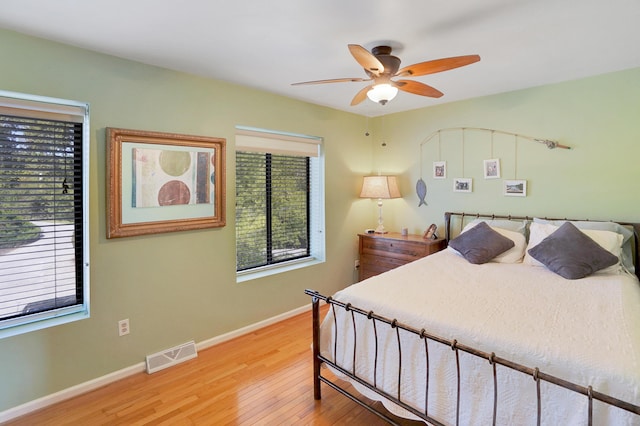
(537, 375)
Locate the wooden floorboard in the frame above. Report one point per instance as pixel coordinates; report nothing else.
(261, 378)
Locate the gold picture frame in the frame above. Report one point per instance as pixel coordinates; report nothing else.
(163, 182)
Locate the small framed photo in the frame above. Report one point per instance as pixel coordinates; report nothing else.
(439, 169)
(430, 233)
(515, 188)
(462, 185)
(492, 168)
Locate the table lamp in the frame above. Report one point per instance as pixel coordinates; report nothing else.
(380, 187)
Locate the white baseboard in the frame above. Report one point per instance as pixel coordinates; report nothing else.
(85, 387)
(76, 390)
(250, 328)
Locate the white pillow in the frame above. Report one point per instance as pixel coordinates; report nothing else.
(626, 257)
(510, 225)
(515, 253)
(611, 241)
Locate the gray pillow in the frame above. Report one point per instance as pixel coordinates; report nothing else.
(627, 242)
(571, 254)
(480, 244)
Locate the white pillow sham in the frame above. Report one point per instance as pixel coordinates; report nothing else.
(510, 225)
(611, 241)
(626, 257)
(515, 253)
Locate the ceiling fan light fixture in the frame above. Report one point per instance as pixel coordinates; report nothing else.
(382, 93)
(381, 66)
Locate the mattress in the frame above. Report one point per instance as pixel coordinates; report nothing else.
(586, 331)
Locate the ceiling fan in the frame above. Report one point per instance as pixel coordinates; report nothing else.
(380, 65)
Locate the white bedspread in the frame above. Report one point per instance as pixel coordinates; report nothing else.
(586, 331)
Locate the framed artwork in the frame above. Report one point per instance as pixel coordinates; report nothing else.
(163, 182)
(515, 188)
(492, 168)
(430, 233)
(462, 185)
(439, 169)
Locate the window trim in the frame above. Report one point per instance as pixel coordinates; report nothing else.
(317, 243)
(42, 106)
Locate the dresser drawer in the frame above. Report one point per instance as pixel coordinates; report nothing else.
(380, 263)
(381, 253)
(405, 250)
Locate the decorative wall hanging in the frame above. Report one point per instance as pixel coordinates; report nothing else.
(421, 190)
(439, 170)
(163, 182)
(462, 185)
(491, 167)
(515, 188)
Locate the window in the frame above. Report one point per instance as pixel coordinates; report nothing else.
(43, 212)
(279, 202)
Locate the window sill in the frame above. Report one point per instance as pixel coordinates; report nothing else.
(46, 320)
(266, 271)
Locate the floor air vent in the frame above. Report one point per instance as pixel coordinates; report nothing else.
(169, 357)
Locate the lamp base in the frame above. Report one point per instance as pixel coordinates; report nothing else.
(380, 229)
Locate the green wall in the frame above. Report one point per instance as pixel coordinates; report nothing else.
(598, 178)
(181, 286)
(178, 286)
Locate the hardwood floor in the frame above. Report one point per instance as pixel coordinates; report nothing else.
(262, 378)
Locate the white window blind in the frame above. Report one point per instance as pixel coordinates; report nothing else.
(284, 144)
(278, 199)
(43, 262)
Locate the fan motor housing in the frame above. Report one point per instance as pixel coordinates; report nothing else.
(391, 63)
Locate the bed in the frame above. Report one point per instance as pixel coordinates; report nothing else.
(454, 338)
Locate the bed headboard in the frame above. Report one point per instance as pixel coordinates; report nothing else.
(448, 216)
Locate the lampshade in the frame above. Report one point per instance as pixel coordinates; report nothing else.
(382, 93)
(380, 187)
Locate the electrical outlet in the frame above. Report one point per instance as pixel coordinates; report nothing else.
(123, 327)
(356, 264)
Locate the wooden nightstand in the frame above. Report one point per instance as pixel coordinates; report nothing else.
(382, 252)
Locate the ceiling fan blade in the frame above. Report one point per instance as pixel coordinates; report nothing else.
(417, 88)
(335, 80)
(360, 96)
(437, 65)
(366, 59)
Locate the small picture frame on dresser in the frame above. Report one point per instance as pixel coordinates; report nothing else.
(430, 233)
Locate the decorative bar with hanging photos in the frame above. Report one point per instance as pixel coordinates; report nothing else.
(491, 167)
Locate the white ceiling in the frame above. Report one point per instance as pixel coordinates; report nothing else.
(269, 44)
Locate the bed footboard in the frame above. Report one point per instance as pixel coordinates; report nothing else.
(535, 374)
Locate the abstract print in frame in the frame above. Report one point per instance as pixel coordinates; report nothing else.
(163, 182)
(164, 177)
